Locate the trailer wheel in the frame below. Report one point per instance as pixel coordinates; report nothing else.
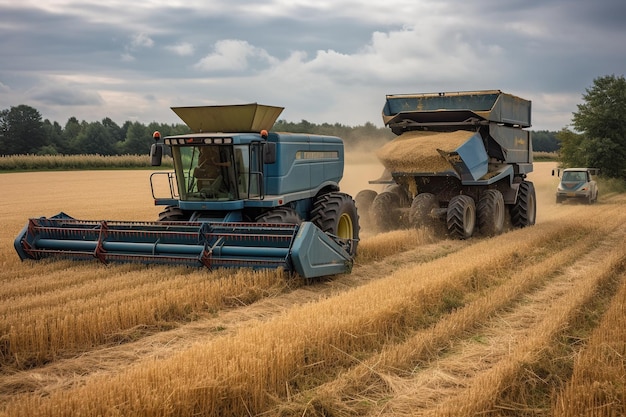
(461, 216)
(280, 215)
(405, 200)
(490, 213)
(385, 211)
(172, 214)
(524, 211)
(420, 214)
(335, 214)
(364, 200)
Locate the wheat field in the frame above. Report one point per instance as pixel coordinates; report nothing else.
(528, 323)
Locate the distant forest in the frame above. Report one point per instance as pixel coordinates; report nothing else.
(22, 131)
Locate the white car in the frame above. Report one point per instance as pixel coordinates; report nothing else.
(577, 184)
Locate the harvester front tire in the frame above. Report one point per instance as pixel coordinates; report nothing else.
(461, 216)
(524, 211)
(364, 200)
(421, 212)
(490, 213)
(385, 211)
(280, 215)
(172, 214)
(336, 214)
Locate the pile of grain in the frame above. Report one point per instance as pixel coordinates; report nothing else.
(417, 151)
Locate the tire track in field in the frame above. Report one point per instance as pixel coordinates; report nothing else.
(515, 255)
(470, 376)
(157, 344)
(414, 375)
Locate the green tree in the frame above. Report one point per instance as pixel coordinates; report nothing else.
(138, 140)
(545, 141)
(71, 131)
(21, 131)
(114, 130)
(54, 133)
(96, 139)
(573, 148)
(601, 120)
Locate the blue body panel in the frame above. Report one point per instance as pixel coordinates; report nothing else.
(303, 163)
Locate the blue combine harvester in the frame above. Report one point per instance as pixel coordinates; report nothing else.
(240, 196)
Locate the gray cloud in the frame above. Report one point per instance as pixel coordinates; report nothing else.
(325, 62)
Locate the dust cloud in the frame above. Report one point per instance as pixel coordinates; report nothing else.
(363, 166)
(360, 168)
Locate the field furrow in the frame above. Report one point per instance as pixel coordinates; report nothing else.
(525, 323)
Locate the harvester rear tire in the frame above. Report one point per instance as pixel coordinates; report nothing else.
(524, 211)
(172, 214)
(280, 215)
(461, 216)
(364, 200)
(490, 212)
(421, 212)
(385, 211)
(335, 214)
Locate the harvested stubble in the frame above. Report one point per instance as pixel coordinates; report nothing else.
(248, 372)
(365, 387)
(383, 245)
(486, 389)
(86, 311)
(598, 383)
(416, 151)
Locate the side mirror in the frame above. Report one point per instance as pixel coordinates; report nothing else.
(269, 153)
(156, 150)
(156, 154)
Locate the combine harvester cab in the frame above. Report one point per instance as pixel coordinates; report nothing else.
(239, 197)
(459, 160)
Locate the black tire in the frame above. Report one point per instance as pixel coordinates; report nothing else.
(461, 216)
(280, 215)
(364, 200)
(421, 211)
(385, 211)
(405, 200)
(490, 213)
(172, 214)
(336, 214)
(524, 211)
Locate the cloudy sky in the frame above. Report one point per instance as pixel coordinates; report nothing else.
(323, 60)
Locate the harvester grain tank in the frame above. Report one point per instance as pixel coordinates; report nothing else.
(458, 164)
(239, 196)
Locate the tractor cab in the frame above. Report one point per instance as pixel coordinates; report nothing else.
(219, 165)
(214, 169)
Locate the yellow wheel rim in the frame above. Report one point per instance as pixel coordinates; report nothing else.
(345, 229)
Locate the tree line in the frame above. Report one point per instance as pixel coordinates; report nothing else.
(22, 131)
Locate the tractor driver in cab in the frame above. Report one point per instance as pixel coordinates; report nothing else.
(208, 173)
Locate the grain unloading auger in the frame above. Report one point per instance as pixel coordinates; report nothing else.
(241, 199)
